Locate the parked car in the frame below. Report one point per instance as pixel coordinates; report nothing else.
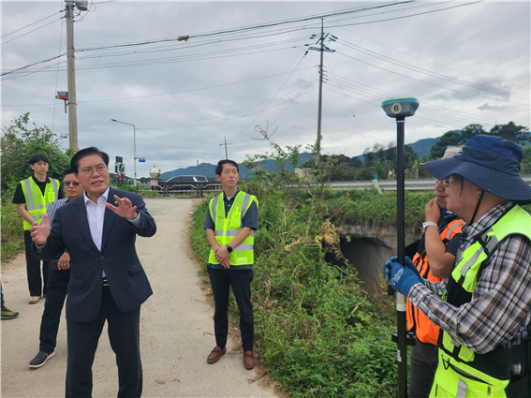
(184, 183)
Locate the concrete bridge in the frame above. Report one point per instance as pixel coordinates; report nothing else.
(370, 247)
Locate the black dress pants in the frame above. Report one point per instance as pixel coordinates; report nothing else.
(124, 336)
(423, 366)
(33, 269)
(53, 306)
(240, 281)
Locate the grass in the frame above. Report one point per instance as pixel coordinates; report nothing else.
(12, 232)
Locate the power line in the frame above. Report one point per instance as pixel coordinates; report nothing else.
(31, 24)
(27, 33)
(273, 97)
(174, 92)
(351, 112)
(419, 69)
(425, 82)
(378, 93)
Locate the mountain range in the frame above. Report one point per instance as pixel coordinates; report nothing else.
(421, 147)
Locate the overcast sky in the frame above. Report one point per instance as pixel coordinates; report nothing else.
(468, 64)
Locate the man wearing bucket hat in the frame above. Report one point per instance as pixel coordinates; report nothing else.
(485, 310)
(434, 260)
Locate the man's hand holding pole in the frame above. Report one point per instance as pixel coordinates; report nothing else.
(40, 232)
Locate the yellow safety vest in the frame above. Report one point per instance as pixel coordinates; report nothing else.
(226, 228)
(36, 202)
(457, 375)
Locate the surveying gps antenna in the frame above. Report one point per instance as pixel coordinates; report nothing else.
(399, 108)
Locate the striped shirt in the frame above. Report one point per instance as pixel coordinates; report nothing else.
(499, 313)
(52, 208)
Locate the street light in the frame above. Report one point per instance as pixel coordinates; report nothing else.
(134, 145)
(399, 108)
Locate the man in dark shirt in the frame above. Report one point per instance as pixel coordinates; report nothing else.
(230, 224)
(32, 196)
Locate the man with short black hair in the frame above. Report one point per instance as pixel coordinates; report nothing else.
(32, 196)
(485, 310)
(107, 281)
(58, 278)
(230, 223)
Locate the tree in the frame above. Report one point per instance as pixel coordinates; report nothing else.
(511, 132)
(19, 143)
(526, 161)
(450, 138)
(470, 131)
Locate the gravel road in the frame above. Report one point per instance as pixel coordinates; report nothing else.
(176, 328)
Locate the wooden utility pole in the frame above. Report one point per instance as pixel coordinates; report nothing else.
(71, 73)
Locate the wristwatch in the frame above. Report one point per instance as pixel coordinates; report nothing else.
(428, 224)
(229, 249)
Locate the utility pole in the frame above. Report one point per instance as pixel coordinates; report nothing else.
(71, 73)
(318, 142)
(322, 48)
(226, 153)
(198, 170)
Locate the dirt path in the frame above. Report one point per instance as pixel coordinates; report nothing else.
(176, 329)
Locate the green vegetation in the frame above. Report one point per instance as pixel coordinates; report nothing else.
(319, 333)
(316, 329)
(19, 143)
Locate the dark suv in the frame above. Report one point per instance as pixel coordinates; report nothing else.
(184, 183)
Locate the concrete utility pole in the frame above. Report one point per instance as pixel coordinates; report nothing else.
(71, 73)
(226, 153)
(318, 142)
(321, 49)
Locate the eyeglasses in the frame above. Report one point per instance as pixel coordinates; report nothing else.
(452, 178)
(74, 183)
(89, 171)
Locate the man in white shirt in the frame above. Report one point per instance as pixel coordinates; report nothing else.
(107, 280)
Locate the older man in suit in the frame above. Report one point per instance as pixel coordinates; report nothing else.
(107, 281)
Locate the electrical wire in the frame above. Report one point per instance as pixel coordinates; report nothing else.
(351, 112)
(273, 97)
(377, 94)
(173, 92)
(27, 33)
(422, 70)
(31, 24)
(426, 82)
(57, 76)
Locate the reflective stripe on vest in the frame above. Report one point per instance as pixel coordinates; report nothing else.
(425, 330)
(36, 202)
(226, 228)
(457, 358)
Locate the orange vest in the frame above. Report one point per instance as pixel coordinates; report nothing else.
(425, 330)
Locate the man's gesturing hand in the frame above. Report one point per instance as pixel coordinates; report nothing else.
(40, 232)
(125, 208)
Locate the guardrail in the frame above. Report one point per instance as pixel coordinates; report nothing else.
(414, 184)
(193, 189)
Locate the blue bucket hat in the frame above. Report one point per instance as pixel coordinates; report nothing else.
(490, 163)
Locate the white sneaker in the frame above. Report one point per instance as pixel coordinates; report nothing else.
(34, 299)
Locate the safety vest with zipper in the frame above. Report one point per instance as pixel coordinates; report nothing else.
(36, 202)
(425, 330)
(461, 372)
(227, 227)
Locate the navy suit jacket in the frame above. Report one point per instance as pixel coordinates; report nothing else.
(128, 282)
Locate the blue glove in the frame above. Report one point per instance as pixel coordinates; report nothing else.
(402, 278)
(408, 264)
